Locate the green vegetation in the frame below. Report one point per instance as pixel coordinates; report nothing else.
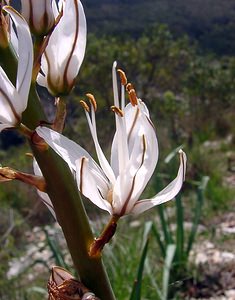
(210, 23)
(191, 100)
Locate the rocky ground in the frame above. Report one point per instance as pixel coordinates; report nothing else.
(214, 257)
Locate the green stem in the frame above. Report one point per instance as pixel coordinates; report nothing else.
(72, 217)
(8, 63)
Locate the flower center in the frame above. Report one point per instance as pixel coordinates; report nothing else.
(110, 196)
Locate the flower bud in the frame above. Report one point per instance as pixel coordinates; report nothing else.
(65, 50)
(39, 15)
(14, 99)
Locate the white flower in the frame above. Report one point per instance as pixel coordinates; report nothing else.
(117, 186)
(65, 51)
(13, 100)
(39, 15)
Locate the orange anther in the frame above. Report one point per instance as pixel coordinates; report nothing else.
(84, 105)
(132, 97)
(92, 100)
(122, 76)
(129, 87)
(117, 110)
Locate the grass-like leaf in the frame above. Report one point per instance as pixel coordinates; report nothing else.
(180, 229)
(170, 252)
(198, 210)
(136, 290)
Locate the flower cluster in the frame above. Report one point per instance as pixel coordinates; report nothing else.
(63, 50)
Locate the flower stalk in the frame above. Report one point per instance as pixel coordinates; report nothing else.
(71, 215)
(105, 237)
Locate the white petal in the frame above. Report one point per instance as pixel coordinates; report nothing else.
(38, 13)
(149, 152)
(25, 62)
(14, 39)
(41, 80)
(70, 152)
(4, 126)
(57, 7)
(100, 154)
(143, 159)
(9, 101)
(47, 201)
(80, 44)
(87, 184)
(119, 152)
(44, 196)
(167, 193)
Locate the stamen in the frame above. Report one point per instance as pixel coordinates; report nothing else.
(132, 97)
(181, 153)
(117, 110)
(122, 76)
(129, 87)
(84, 105)
(92, 100)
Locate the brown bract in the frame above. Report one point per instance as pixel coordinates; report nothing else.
(63, 286)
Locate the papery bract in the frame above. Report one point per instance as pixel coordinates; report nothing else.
(65, 51)
(13, 100)
(117, 186)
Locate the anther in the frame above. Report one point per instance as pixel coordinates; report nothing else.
(132, 97)
(92, 100)
(129, 87)
(117, 110)
(122, 76)
(84, 105)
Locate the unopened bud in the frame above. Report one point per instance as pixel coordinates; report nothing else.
(64, 53)
(39, 15)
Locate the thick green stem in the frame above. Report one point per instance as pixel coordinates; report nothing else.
(8, 63)
(71, 215)
(73, 220)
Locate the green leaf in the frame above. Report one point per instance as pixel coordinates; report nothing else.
(165, 227)
(180, 229)
(172, 154)
(37, 289)
(54, 247)
(170, 252)
(198, 212)
(136, 290)
(159, 240)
